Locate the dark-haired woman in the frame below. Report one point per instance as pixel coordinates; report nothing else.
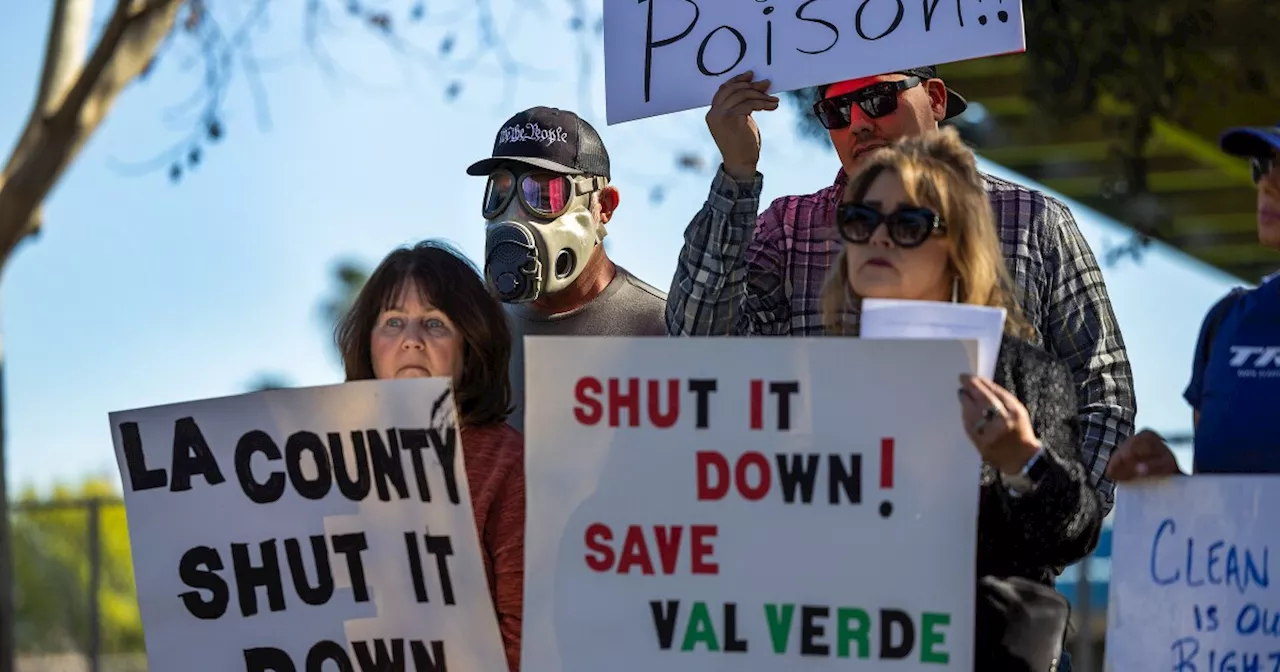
(425, 312)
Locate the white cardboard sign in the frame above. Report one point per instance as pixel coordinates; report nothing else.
(747, 504)
(318, 528)
(665, 56)
(1191, 575)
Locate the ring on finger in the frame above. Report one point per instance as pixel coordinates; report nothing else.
(988, 414)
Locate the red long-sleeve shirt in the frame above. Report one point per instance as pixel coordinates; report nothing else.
(494, 456)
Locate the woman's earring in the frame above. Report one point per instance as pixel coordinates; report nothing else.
(955, 289)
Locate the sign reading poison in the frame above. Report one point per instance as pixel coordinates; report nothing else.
(308, 529)
(665, 56)
(735, 504)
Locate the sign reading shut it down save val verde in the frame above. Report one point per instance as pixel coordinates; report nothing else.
(1193, 577)
(747, 504)
(325, 528)
(665, 56)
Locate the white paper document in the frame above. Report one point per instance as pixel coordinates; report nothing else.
(893, 318)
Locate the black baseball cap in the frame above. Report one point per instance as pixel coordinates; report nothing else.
(956, 104)
(548, 138)
(1251, 142)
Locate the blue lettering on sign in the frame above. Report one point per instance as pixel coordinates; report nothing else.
(1256, 620)
(1187, 653)
(1217, 563)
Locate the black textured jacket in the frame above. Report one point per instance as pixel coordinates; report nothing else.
(1041, 532)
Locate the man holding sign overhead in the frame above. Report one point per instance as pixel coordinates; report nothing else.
(742, 271)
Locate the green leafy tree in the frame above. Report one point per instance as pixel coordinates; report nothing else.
(53, 573)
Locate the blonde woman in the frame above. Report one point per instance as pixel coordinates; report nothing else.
(917, 225)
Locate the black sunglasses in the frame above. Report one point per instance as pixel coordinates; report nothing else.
(908, 227)
(1261, 166)
(877, 100)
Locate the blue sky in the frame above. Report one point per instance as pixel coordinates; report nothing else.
(142, 292)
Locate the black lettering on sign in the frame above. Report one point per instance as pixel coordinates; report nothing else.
(888, 619)
(702, 51)
(768, 39)
(267, 659)
(386, 657)
(328, 651)
(835, 32)
(191, 456)
(387, 467)
(258, 492)
(390, 657)
(352, 545)
(298, 444)
(250, 577)
(439, 546)
(897, 20)
(664, 620)
(355, 490)
(200, 566)
(415, 441)
(650, 45)
(811, 631)
(199, 569)
(930, 8)
(140, 476)
(323, 590)
(703, 387)
(732, 642)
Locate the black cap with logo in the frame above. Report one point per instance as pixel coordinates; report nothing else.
(549, 138)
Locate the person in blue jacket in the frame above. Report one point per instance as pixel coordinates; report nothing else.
(1235, 379)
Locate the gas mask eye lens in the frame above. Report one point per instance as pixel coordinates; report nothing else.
(496, 192)
(546, 194)
(543, 194)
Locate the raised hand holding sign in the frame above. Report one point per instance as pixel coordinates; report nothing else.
(735, 132)
(665, 56)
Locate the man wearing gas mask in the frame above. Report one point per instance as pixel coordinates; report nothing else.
(546, 204)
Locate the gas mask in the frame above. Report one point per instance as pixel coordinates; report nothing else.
(539, 231)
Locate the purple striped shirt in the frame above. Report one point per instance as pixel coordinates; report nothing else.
(745, 272)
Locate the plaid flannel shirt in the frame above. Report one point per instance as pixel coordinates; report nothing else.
(742, 274)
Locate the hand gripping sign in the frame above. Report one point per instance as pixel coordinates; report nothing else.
(665, 56)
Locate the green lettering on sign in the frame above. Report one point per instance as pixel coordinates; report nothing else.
(779, 628)
(860, 632)
(700, 629)
(930, 639)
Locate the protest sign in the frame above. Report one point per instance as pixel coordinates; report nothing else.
(1191, 576)
(980, 327)
(747, 504)
(320, 528)
(665, 56)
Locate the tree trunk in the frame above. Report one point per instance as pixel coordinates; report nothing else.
(73, 98)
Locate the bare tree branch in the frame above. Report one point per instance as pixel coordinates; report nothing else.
(63, 58)
(123, 51)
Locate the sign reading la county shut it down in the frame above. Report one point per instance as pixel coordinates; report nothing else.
(747, 504)
(325, 528)
(665, 56)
